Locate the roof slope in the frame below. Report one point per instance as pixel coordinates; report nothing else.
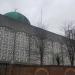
(22, 27)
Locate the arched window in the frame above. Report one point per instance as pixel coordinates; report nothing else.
(41, 71)
(70, 72)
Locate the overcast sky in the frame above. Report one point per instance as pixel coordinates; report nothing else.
(54, 12)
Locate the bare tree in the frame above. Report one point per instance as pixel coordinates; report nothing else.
(58, 59)
(43, 27)
(41, 52)
(70, 42)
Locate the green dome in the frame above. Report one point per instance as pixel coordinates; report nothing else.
(17, 16)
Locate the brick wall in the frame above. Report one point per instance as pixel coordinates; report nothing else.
(37, 70)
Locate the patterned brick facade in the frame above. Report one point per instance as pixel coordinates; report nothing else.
(21, 47)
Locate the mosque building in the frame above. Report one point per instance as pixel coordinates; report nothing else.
(23, 44)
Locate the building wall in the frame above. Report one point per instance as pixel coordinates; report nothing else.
(6, 44)
(21, 47)
(48, 53)
(52, 50)
(36, 70)
(27, 49)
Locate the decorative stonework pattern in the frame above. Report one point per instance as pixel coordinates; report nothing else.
(53, 49)
(48, 52)
(34, 50)
(6, 44)
(21, 47)
(26, 49)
